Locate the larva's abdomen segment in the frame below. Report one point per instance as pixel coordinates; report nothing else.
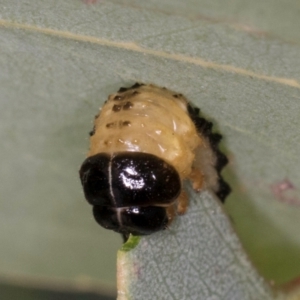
(156, 123)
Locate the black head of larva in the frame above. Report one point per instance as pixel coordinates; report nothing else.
(130, 190)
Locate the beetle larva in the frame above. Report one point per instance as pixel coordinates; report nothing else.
(146, 141)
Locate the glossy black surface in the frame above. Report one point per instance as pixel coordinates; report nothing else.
(140, 179)
(95, 179)
(127, 190)
(134, 220)
(136, 179)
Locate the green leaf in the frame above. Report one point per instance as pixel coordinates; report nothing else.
(238, 61)
(198, 257)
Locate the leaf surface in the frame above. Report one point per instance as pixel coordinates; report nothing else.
(240, 63)
(198, 257)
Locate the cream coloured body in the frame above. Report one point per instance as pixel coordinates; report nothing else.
(151, 120)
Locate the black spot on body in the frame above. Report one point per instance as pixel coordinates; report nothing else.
(203, 126)
(197, 110)
(137, 85)
(224, 190)
(215, 139)
(222, 161)
(126, 123)
(110, 125)
(122, 89)
(91, 133)
(177, 95)
(127, 105)
(118, 98)
(116, 108)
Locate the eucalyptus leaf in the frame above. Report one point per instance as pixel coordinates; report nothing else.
(59, 60)
(197, 257)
